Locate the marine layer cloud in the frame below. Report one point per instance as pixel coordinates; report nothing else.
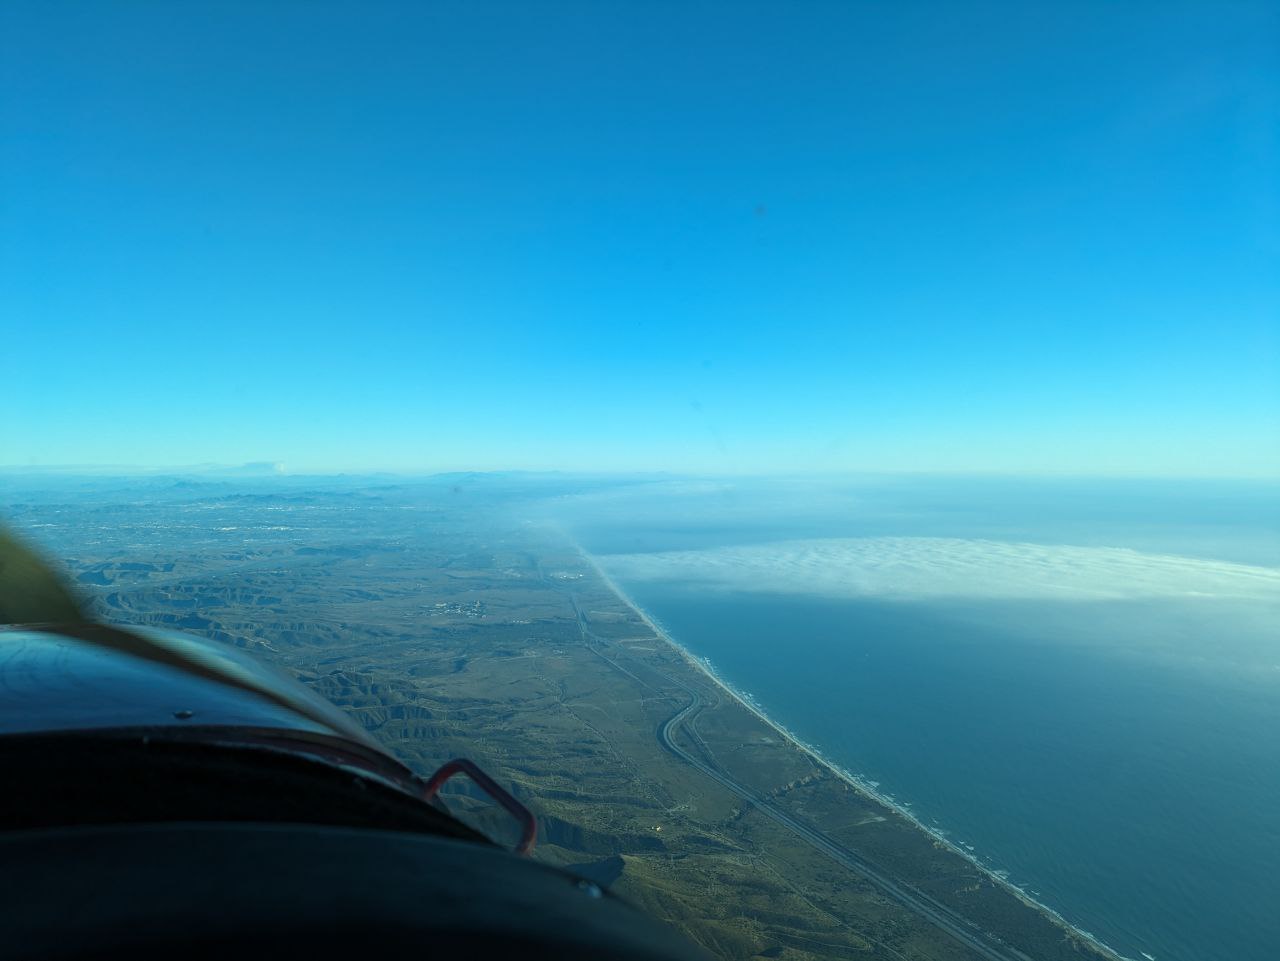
(936, 567)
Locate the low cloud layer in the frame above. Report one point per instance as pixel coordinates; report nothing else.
(932, 567)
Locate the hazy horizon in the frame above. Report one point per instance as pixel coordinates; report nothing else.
(270, 469)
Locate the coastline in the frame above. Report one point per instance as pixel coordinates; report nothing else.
(858, 783)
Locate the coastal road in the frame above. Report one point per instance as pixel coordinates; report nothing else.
(937, 913)
(956, 925)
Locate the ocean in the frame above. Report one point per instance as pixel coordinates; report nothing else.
(1096, 716)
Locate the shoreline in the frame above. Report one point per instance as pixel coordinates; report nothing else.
(857, 782)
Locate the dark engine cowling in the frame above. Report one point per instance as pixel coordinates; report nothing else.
(168, 797)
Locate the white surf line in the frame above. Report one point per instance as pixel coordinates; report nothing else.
(857, 782)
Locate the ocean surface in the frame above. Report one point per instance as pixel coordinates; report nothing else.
(1101, 723)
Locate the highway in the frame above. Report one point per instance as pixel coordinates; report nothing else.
(939, 914)
(956, 925)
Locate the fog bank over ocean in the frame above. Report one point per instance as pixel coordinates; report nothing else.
(932, 567)
(1078, 681)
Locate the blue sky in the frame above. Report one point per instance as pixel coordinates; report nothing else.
(661, 236)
